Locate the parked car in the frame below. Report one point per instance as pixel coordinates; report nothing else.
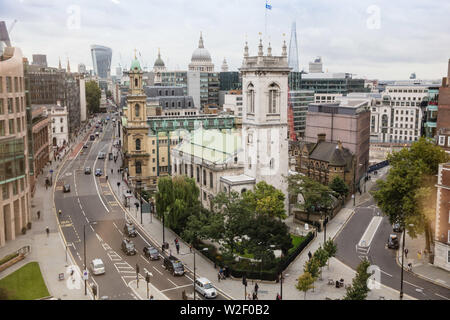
(397, 228)
(151, 253)
(85, 146)
(87, 170)
(128, 247)
(92, 137)
(98, 172)
(129, 230)
(66, 188)
(205, 288)
(97, 267)
(173, 265)
(393, 242)
(101, 155)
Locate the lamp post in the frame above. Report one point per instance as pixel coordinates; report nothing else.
(193, 251)
(403, 255)
(84, 240)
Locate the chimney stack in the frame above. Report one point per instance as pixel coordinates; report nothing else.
(321, 137)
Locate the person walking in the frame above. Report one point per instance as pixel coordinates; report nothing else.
(178, 248)
(249, 296)
(278, 297)
(309, 255)
(47, 229)
(218, 276)
(38, 214)
(112, 171)
(406, 253)
(256, 287)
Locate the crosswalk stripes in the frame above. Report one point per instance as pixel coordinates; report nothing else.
(114, 256)
(124, 267)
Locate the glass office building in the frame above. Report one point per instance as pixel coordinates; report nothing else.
(299, 100)
(101, 60)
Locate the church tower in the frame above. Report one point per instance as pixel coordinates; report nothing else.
(264, 120)
(136, 129)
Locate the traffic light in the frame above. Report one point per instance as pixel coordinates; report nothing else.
(244, 280)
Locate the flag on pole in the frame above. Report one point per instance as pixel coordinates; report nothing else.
(268, 6)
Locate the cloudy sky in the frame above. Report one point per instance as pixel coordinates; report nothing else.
(383, 39)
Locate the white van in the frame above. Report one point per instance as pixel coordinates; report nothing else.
(205, 288)
(97, 267)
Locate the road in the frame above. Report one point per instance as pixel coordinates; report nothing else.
(381, 256)
(91, 208)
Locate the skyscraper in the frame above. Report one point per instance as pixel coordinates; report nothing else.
(101, 60)
(293, 50)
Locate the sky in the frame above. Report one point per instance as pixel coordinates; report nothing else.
(375, 39)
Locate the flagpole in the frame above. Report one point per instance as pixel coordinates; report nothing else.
(265, 23)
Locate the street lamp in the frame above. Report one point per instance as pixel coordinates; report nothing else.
(403, 255)
(84, 240)
(193, 251)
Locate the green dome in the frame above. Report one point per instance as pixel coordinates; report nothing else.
(135, 65)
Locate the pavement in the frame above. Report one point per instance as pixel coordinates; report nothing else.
(49, 251)
(233, 288)
(420, 262)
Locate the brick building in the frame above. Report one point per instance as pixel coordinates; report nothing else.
(442, 227)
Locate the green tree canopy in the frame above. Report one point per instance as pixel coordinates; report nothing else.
(93, 94)
(305, 282)
(265, 199)
(359, 289)
(339, 186)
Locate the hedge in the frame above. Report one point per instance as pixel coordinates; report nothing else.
(8, 257)
(251, 269)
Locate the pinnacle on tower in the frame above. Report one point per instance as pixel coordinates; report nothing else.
(246, 49)
(68, 65)
(260, 48)
(284, 52)
(200, 42)
(269, 50)
(59, 65)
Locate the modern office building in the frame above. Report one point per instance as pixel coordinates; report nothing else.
(293, 61)
(442, 227)
(81, 68)
(39, 60)
(347, 122)
(332, 83)
(316, 66)
(443, 114)
(233, 102)
(176, 78)
(299, 101)
(295, 80)
(230, 80)
(101, 60)
(15, 205)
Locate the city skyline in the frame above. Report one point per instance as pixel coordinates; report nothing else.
(366, 39)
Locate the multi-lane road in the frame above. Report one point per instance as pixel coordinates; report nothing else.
(381, 256)
(91, 209)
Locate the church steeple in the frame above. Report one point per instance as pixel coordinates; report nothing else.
(200, 42)
(68, 65)
(59, 65)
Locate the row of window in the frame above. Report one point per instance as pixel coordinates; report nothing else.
(408, 90)
(185, 169)
(54, 130)
(18, 84)
(274, 95)
(13, 126)
(17, 102)
(22, 183)
(405, 104)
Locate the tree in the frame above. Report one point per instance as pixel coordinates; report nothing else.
(305, 282)
(312, 266)
(359, 289)
(265, 199)
(93, 94)
(331, 248)
(339, 186)
(164, 196)
(315, 194)
(321, 255)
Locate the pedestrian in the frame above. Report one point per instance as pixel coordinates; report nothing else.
(255, 296)
(47, 229)
(309, 255)
(151, 297)
(106, 178)
(218, 276)
(112, 171)
(249, 296)
(410, 266)
(118, 170)
(406, 253)
(278, 297)
(176, 241)
(190, 250)
(39, 214)
(178, 248)
(256, 287)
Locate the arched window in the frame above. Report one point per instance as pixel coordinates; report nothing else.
(250, 99)
(135, 82)
(271, 163)
(138, 167)
(273, 98)
(136, 110)
(138, 144)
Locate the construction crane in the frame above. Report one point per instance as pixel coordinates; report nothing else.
(12, 26)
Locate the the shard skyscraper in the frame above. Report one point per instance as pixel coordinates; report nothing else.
(293, 50)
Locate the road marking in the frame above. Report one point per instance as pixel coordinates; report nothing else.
(96, 187)
(177, 287)
(172, 282)
(390, 275)
(157, 271)
(412, 284)
(442, 296)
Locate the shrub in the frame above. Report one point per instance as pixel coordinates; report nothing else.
(8, 257)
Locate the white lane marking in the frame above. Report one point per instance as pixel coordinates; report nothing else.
(99, 238)
(144, 258)
(95, 181)
(412, 284)
(390, 275)
(442, 296)
(143, 239)
(177, 287)
(172, 282)
(91, 227)
(158, 271)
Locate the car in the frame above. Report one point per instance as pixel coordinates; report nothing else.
(128, 247)
(92, 137)
(97, 267)
(96, 134)
(151, 253)
(397, 228)
(101, 155)
(85, 146)
(66, 188)
(98, 172)
(129, 230)
(87, 170)
(205, 288)
(173, 265)
(393, 241)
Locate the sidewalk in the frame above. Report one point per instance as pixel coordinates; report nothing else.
(421, 266)
(233, 288)
(49, 251)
